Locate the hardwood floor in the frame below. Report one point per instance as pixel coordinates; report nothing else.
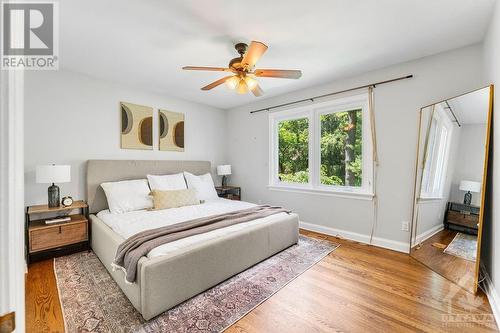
(456, 269)
(43, 310)
(357, 288)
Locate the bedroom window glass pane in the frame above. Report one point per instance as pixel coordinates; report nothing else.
(438, 181)
(341, 148)
(431, 147)
(293, 150)
(434, 172)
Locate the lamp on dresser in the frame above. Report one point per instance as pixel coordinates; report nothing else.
(51, 174)
(469, 186)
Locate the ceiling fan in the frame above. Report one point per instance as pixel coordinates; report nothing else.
(243, 70)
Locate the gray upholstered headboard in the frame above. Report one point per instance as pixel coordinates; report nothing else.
(101, 171)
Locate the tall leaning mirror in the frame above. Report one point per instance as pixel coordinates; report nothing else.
(450, 179)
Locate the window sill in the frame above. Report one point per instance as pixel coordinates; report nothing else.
(358, 195)
(429, 200)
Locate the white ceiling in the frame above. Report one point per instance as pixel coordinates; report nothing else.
(145, 43)
(471, 108)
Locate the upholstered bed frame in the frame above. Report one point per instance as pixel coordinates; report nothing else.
(165, 281)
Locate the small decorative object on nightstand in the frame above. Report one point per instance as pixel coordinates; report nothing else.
(54, 236)
(47, 174)
(469, 186)
(67, 201)
(229, 192)
(224, 170)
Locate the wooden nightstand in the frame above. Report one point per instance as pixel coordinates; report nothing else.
(460, 217)
(51, 240)
(229, 192)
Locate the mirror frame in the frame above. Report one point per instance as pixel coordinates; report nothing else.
(483, 185)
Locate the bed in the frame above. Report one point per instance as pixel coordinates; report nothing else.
(175, 272)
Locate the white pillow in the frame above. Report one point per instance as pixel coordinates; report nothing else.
(127, 196)
(203, 185)
(167, 182)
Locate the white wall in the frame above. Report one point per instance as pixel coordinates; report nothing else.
(396, 107)
(490, 254)
(71, 118)
(470, 161)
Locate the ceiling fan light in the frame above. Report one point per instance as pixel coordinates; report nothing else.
(242, 87)
(251, 82)
(232, 82)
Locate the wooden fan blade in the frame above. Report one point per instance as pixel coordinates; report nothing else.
(198, 68)
(257, 91)
(216, 83)
(280, 73)
(253, 54)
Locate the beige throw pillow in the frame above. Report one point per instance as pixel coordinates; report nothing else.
(173, 199)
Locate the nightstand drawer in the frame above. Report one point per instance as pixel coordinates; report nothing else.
(465, 220)
(57, 235)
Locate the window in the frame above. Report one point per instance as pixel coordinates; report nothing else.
(341, 148)
(325, 147)
(436, 155)
(293, 150)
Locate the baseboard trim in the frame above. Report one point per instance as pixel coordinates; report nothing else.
(428, 234)
(365, 239)
(492, 294)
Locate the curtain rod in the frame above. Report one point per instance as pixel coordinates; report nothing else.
(453, 113)
(333, 93)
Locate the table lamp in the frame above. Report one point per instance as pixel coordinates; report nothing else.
(224, 170)
(469, 186)
(47, 174)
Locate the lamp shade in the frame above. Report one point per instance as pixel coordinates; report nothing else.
(53, 174)
(223, 170)
(468, 185)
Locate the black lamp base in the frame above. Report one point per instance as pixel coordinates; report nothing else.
(54, 200)
(467, 198)
(224, 181)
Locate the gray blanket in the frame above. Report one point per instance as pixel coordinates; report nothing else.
(131, 250)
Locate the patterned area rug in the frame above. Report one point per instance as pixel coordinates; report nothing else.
(463, 246)
(93, 302)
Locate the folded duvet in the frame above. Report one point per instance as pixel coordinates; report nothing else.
(131, 250)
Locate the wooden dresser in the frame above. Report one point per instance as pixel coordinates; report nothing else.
(51, 240)
(460, 217)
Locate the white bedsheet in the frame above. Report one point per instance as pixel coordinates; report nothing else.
(131, 223)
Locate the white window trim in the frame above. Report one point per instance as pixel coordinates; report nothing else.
(328, 192)
(424, 200)
(313, 113)
(443, 121)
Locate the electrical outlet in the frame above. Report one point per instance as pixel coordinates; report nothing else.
(405, 226)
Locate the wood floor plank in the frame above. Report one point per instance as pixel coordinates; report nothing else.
(357, 288)
(43, 310)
